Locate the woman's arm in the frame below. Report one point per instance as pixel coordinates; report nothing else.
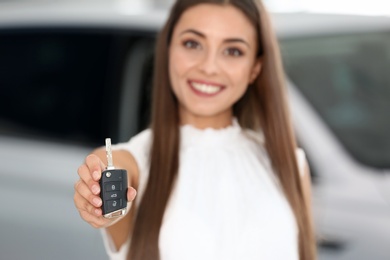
(306, 185)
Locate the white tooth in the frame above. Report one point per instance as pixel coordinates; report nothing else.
(205, 88)
(211, 89)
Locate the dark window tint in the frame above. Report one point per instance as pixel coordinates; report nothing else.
(59, 84)
(347, 80)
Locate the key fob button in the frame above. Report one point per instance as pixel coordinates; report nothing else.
(113, 186)
(113, 205)
(113, 195)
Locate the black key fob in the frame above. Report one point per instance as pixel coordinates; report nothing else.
(113, 186)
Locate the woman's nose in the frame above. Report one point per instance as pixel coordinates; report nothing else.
(209, 63)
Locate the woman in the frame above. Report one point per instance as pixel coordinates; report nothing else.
(218, 173)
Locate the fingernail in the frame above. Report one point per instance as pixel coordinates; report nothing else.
(97, 201)
(95, 189)
(97, 212)
(96, 175)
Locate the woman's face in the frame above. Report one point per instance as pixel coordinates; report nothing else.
(212, 59)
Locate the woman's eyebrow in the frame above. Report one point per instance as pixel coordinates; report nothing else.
(194, 32)
(229, 40)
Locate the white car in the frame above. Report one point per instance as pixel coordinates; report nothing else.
(60, 61)
(338, 71)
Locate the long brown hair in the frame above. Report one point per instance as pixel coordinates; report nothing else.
(263, 105)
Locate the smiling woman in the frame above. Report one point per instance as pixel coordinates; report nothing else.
(218, 173)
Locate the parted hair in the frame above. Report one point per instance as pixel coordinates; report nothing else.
(264, 106)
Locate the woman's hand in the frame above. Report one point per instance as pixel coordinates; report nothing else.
(87, 190)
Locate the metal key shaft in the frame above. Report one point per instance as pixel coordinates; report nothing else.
(110, 164)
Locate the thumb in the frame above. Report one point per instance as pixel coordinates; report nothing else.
(131, 193)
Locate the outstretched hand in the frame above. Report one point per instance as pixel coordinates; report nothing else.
(87, 190)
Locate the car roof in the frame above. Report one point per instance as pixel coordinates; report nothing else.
(311, 24)
(143, 15)
(97, 13)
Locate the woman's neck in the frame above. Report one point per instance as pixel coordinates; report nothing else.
(219, 121)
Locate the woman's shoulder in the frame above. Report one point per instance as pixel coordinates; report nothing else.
(257, 138)
(142, 137)
(138, 141)
(139, 147)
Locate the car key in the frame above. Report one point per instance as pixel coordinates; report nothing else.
(113, 186)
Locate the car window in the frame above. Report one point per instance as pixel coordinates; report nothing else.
(60, 84)
(346, 79)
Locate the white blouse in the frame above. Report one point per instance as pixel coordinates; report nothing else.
(226, 202)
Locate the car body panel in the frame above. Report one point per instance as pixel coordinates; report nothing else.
(38, 217)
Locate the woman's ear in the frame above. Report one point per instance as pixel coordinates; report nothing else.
(255, 71)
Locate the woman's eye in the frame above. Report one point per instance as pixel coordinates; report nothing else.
(233, 52)
(190, 44)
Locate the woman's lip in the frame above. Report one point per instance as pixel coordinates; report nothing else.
(204, 94)
(206, 82)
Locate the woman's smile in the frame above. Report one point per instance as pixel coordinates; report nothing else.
(205, 88)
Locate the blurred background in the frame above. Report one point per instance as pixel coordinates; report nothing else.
(75, 72)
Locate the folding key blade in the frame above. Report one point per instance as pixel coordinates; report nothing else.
(110, 165)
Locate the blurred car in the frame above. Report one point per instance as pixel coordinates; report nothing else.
(337, 69)
(73, 73)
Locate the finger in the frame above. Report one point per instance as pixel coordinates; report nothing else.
(131, 194)
(83, 205)
(95, 166)
(85, 176)
(86, 193)
(77, 184)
